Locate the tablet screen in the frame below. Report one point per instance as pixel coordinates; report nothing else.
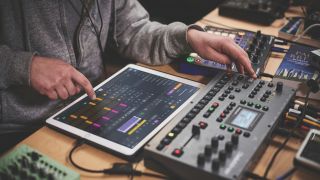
(128, 107)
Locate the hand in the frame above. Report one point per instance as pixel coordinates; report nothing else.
(221, 49)
(57, 79)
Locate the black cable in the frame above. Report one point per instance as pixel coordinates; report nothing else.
(263, 74)
(101, 21)
(299, 120)
(94, 26)
(116, 169)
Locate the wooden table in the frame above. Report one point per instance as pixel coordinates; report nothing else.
(57, 145)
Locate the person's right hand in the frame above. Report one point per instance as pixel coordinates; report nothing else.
(57, 79)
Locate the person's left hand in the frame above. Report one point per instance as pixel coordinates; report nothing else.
(220, 49)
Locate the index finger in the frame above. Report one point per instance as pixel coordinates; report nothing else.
(85, 83)
(232, 50)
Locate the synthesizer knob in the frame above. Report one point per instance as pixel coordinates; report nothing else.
(207, 150)
(215, 142)
(258, 34)
(222, 155)
(215, 164)
(201, 159)
(195, 130)
(235, 139)
(228, 147)
(254, 59)
(279, 86)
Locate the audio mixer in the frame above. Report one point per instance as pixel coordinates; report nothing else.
(222, 132)
(257, 45)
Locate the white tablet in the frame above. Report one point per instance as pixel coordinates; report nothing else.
(131, 106)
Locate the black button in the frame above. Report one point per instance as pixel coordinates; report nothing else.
(221, 81)
(259, 85)
(215, 89)
(240, 77)
(220, 137)
(270, 84)
(250, 103)
(190, 115)
(251, 96)
(263, 99)
(265, 108)
(230, 88)
(257, 89)
(265, 95)
(235, 139)
(262, 82)
(176, 130)
(186, 120)
(207, 150)
(215, 164)
(258, 106)
(177, 152)
(237, 89)
(218, 85)
(199, 105)
(226, 111)
(195, 130)
(227, 91)
(181, 125)
(166, 141)
(201, 159)
(208, 97)
(245, 86)
(229, 147)
(230, 107)
(221, 98)
(231, 96)
(207, 114)
(233, 104)
(254, 92)
(195, 110)
(160, 146)
(214, 142)
(243, 101)
(222, 155)
(246, 134)
(219, 119)
(203, 101)
(235, 82)
(224, 95)
(268, 92)
(211, 93)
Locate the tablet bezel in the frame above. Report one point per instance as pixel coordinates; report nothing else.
(113, 145)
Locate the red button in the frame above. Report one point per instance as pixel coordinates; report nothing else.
(238, 131)
(215, 104)
(203, 125)
(222, 115)
(177, 152)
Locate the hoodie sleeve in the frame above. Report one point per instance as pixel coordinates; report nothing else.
(15, 67)
(148, 42)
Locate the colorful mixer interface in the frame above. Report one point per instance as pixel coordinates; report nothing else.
(128, 107)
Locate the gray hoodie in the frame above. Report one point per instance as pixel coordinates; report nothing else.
(41, 27)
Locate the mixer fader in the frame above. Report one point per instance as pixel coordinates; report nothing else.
(222, 132)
